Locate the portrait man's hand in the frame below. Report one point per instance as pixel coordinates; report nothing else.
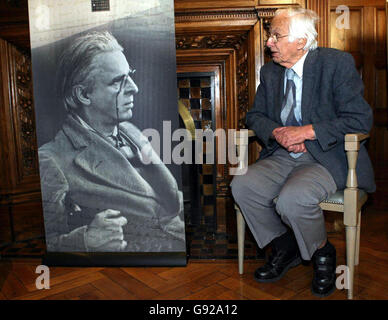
(105, 232)
(294, 137)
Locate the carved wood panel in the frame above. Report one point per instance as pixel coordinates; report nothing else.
(278, 3)
(18, 117)
(20, 199)
(211, 41)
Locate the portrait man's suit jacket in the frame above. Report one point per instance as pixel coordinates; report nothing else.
(332, 101)
(83, 174)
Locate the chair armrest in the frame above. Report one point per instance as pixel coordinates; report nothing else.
(352, 141)
(356, 137)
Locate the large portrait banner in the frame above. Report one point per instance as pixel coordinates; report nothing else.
(104, 73)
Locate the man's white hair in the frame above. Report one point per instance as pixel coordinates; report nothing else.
(76, 65)
(302, 25)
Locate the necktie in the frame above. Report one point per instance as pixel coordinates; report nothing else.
(128, 149)
(287, 114)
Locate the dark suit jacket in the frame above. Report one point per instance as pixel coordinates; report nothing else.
(332, 100)
(82, 174)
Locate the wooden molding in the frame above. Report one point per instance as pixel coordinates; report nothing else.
(264, 13)
(358, 3)
(181, 5)
(281, 3)
(213, 14)
(215, 20)
(215, 41)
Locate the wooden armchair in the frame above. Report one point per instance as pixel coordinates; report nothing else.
(349, 201)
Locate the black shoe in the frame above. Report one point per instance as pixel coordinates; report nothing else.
(324, 262)
(279, 262)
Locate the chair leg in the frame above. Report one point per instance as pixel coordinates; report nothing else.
(357, 255)
(240, 240)
(350, 255)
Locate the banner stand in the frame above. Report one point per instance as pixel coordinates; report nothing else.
(114, 259)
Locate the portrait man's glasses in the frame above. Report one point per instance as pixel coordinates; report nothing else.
(275, 37)
(124, 78)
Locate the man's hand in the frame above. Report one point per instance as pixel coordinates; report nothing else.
(105, 232)
(296, 148)
(294, 136)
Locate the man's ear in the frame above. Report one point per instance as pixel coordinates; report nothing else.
(301, 43)
(81, 93)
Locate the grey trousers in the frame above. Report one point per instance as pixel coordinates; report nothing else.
(299, 184)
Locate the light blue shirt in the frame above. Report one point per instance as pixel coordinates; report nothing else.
(298, 80)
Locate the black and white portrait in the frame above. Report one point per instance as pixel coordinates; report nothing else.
(99, 193)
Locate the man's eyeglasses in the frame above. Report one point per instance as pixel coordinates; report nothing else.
(275, 37)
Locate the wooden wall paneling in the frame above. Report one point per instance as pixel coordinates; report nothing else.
(6, 234)
(369, 54)
(19, 120)
(351, 39)
(19, 183)
(6, 128)
(321, 7)
(381, 59)
(380, 132)
(367, 41)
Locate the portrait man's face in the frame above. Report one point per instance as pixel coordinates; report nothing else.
(110, 70)
(283, 51)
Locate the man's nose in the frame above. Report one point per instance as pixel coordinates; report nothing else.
(270, 42)
(130, 86)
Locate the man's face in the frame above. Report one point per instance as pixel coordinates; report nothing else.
(283, 52)
(110, 70)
